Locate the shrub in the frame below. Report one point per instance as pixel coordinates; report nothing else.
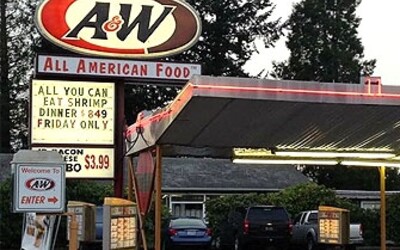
(393, 218)
(295, 199)
(10, 223)
(221, 210)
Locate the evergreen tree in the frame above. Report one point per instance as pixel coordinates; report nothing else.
(352, 178)
(18, 36)
(323, 43)
(229, 29)
(324, 46)
(4, 83)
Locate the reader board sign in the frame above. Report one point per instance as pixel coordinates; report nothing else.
(72, 112)
(115, 68)
(39, 188)
(85, 162)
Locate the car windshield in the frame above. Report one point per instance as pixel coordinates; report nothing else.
(186, 222)
(267, 213)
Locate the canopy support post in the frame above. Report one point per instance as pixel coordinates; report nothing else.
(383, 207)
(157, 198)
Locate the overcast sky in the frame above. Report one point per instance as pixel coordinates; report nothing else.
(379, 31)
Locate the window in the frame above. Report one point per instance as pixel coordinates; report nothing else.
(370, 204)
(297, 219)
(273, 213)
(313, 218)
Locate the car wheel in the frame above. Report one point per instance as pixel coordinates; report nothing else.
(311, 243)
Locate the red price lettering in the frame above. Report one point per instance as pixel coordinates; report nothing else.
(97, 162)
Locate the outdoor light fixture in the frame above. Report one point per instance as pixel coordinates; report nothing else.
(287, 161)
(366, 163)
(315, 157)
(336, 154)
(339, 154)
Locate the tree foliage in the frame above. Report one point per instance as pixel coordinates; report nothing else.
(229, 29)
(10, 223)
(21, 36)
(295, 199)
(227, 42)
(370, 220)
(324, 44)
(352, 178)
(4, 83)
(393, 218)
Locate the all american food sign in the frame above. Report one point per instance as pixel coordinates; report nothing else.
(120, 28)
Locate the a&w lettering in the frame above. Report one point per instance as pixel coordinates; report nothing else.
(98, 18)
(40, 184)
(120, 28)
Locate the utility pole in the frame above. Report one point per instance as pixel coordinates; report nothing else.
(5, 123)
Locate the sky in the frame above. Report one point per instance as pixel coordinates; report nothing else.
(379, 32)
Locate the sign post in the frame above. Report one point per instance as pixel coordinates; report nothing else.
(39, 182)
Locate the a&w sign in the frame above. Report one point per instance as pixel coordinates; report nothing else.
(120, 28)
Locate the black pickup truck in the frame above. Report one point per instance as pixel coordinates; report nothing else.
(258, 226)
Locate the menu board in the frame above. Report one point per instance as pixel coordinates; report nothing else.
(120, 226)
(333, 225)
(329, 227)
(85, 216)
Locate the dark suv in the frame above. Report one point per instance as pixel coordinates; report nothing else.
(265, 226)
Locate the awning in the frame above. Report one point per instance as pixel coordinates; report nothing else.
(212, 115)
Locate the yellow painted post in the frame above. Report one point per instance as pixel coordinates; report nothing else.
(73, 232)
(158, 208)
(383, 208)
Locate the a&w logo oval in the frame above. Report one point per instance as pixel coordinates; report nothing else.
(40, 184)
(120, 28)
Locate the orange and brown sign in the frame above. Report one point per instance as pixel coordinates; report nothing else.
(120, 28)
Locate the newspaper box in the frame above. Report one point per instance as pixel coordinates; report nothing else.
(85, 215)
(334, 225)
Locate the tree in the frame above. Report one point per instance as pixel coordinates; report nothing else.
(229, 29)
(18, 36)
(324, 47)
(352, 178)
(4, 84)
(323, 43)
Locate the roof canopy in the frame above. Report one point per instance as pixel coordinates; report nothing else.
(212, 115)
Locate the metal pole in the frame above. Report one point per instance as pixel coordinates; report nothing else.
(157, 198)
(130, 180)
(383, 208)
(119, 140)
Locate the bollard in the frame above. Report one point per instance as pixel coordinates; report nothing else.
(73, 232)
